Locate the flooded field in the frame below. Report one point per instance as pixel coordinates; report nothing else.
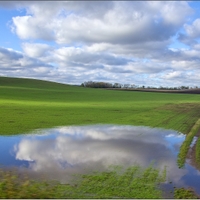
(59, 153)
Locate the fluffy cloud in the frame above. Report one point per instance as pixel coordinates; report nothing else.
(120, 22)
(83, 58)
(35, 50)
(16, 63)
(193, 30)
(191, 33)
(27, 27)
(9, 54)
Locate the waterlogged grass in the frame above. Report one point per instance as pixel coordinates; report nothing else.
(197, 152)
(32, 104)
(133, 182)
(186, 145)
(13, 185)
(182, 193)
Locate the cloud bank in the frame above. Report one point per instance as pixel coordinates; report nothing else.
(139, 43)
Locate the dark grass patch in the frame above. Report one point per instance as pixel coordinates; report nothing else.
(197, 153)
(181, 107)
(183, 193)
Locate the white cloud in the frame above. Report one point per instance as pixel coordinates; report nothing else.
(35, 50)
(193, 30)
(121, 22)
(14, 63)
(174, 74)
(27, 27)
(175, 12)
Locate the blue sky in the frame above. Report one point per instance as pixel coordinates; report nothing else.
(148, 43)
(8, 39)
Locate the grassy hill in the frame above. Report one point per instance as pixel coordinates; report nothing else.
(27, 104)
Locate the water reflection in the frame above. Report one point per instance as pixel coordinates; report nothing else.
(60, 152)
(74, 149)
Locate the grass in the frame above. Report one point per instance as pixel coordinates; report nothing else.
(186, 145)
(13, 185)
(133, 182)
(197, 152)
(182, 193)
(28, 104)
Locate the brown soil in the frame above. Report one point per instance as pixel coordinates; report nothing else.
(187, 91)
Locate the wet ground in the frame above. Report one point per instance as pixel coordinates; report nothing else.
(60, 152)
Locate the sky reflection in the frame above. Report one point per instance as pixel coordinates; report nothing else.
(86, 148)
(60, 152)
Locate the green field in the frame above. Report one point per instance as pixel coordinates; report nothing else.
(27, 104)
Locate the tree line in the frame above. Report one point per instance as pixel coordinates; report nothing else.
(94, 84)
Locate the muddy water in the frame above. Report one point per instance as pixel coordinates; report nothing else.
(60, 152)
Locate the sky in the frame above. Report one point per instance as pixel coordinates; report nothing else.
(150, 43)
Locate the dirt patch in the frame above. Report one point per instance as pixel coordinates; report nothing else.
(188, 91)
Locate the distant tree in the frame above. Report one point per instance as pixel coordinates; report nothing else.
(117, 85)
(126, 85)
(184, 87)
(133, 86)
(97, 84)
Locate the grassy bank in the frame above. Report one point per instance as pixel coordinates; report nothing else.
(186, 145)
(31, 104)
(197, 153)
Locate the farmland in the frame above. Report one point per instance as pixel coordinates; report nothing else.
(32, 104)
(27, 104)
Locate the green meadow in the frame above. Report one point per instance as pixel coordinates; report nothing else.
(27, 104)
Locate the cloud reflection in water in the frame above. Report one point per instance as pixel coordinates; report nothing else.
(66, 150)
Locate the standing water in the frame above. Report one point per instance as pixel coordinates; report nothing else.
(60, 152)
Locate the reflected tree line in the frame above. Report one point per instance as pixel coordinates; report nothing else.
(93, 84)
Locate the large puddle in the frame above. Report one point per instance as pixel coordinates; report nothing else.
(60, 152)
